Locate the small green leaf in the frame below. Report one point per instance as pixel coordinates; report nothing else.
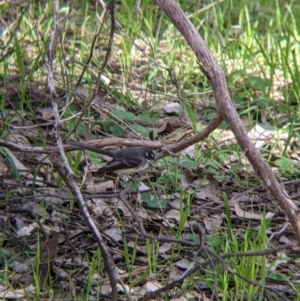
(11, 159)
(149, 116)
(192, 114)
(193, 237)
(144, 131)
(154, 202)
(211, 162)
(79, 129)
(284, 163)
(124, 115)
(116, 130)
(187, 163)
(278, 276)
(95, 158)
(264, 102)
(258, 83)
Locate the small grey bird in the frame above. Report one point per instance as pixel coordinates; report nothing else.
(124, 161)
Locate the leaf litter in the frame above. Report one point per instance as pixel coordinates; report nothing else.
(68, 246)
(206, 206)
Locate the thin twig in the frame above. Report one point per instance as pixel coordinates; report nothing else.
(55, 98)
(107, 259)
(64, 169)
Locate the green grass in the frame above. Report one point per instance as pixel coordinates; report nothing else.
(257, 45)
(231, 286)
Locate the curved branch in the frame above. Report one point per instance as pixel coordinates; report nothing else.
(225, 106)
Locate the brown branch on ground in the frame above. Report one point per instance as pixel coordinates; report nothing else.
(109, 265)
(68, 148)
(226, 108)
(194, 139)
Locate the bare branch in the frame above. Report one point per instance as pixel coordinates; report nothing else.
(107, 259)
(225, 107)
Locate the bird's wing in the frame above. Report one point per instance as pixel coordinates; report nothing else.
(125, 163)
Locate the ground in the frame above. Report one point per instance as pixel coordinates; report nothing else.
(200, 216)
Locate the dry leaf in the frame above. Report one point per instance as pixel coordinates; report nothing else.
(100, 187)
(210, 192)
(47, 256)
(213, 222)
(173, 214)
